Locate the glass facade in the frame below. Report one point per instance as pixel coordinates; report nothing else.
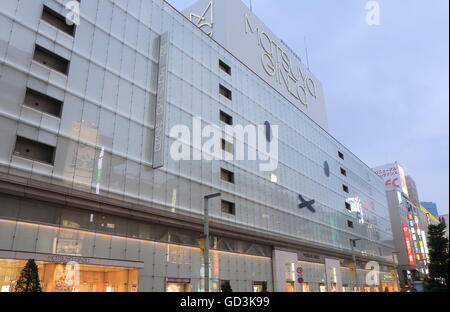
(160, 261)
(104, 145)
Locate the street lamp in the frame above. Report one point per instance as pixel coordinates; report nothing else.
(395, 260)
(206, 235)
(352, 244)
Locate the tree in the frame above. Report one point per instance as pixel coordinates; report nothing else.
(29, 278)
(226, 286)
(438, 266)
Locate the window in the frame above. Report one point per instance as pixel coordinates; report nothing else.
(348, 206)
(228, 207)
(225, 92)
(350, 224)
(353, 243)
(43, 103)
(224, 67)
(343, 172)
(227, 146)
(225, 118)
(226, 175)
(341, 155)
(57, 20)
(345, 188)
(34, 150)
(51, 60)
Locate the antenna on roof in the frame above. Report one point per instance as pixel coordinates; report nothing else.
(306, 51)
(251, 8)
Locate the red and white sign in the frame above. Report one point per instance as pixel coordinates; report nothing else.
(393, 177)
(409, 248)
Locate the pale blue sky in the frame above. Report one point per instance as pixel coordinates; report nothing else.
(386, 87)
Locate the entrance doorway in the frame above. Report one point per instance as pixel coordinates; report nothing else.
(290, 287)
(59, 277)
(322, 287)
(178, 285)
(389, 287)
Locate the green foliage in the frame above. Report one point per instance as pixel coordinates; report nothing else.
(439, 259)
(29, 278)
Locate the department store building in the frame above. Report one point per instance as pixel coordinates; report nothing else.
(88, 183)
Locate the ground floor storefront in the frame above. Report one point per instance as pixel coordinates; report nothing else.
(305, 271)
(82, 250)
(64, 277)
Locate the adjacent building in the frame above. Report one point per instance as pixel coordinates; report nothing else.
(431, 207)
(412, 190)
(96, 117)
(409, 223)
(444, 219)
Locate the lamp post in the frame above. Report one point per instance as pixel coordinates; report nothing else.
(352, 244)
(206, 235)
(395, 260)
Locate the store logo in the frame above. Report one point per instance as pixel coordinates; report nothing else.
(393, 182)
(201, 20)
(306, 204)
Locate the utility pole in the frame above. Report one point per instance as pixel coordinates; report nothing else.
(206, 235)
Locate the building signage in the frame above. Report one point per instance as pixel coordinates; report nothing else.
(311, 257)
(65, 259)
(237, 29)
(279, 65)
(161, 102)
(409, 248)
(393, 176)
(306, 204)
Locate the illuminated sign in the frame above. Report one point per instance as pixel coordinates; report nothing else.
(400, 197)
(425, 244)
(409, 248)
